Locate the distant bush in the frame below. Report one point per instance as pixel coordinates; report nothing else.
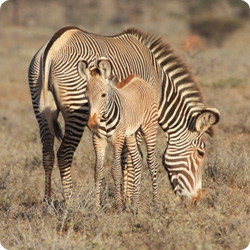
(195, 7)
(215, 29)
(214, 7)
(216, 20)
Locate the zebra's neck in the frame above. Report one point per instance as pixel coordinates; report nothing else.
(112, 110)
(179, 107)
(181, 97)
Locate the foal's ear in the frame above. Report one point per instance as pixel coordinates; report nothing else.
(105, 67)
(206, 119)
(83, 70)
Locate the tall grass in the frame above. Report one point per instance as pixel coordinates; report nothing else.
(221, 221)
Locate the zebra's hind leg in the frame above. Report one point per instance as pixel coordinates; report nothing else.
(71, 139)
(128, 169)
(153, 167)
(48, 155)
(137, 166)
(128, 175)
(150, 134)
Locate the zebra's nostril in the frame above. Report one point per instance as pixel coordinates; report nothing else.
(196, 198)
(195, 203)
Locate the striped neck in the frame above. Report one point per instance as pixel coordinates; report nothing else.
(181, 96)
(112, 110)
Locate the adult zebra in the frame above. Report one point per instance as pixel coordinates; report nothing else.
(56, 86)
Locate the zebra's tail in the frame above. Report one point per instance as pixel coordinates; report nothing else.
(49, 108)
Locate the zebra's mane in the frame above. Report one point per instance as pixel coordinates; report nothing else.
(168, 61)
(123, 83)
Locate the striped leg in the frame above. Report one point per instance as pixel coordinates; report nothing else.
(128, 175)
(100, 146)
(124, 157)
(149, 131)
(137, 166)
(65, 154)
(48, 155)
(117, 168)
(128, 172)
(153, 167)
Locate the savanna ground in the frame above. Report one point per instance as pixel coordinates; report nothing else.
(222, 219)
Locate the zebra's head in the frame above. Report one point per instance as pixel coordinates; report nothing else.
(185, 154)
(98, 80)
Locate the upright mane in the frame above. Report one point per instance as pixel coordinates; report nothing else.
(171, 64)
(123, 83)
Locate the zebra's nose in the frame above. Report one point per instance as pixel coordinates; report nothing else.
(195, 200)
(93, 123)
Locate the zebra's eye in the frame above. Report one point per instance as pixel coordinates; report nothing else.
(200, 153)
(103, 95)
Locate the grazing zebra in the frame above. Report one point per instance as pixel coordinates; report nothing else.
(56, 86)
(117, 112)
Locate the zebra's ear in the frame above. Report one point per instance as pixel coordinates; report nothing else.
(105, 67)
(206, 119)
(83, 70)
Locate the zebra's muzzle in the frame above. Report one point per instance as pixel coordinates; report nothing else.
(195, 200)
(93, 123)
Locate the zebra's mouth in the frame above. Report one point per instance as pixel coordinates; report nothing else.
(93, 123)
(195, 200)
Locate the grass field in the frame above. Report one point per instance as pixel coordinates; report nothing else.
(222, 219)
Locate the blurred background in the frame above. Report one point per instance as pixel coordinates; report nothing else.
(210, 18)
(190, 26)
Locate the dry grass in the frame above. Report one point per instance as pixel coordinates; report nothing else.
(221, 221)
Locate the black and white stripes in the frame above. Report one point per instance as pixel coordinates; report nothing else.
(117, 112)
(57, 87)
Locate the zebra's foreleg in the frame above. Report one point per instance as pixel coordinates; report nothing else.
(117, 169)
(100, 146)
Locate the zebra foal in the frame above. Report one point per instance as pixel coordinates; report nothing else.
(117, 112)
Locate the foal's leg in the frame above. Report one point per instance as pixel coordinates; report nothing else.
(118, 142)
(128, 175)
(128, 169)
(149, 130)
(137, 166)
(100, 146)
